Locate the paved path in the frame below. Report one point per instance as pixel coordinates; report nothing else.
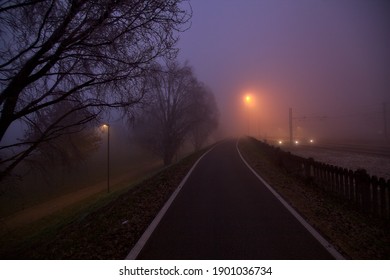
(225, 212)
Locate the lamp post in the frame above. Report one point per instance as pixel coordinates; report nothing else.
(248, 101)
(108, 156)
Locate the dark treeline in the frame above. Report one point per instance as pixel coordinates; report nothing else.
(64, 65)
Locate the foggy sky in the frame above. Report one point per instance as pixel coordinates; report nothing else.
(319, 57)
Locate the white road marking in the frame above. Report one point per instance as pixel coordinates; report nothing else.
(148, 232)
(329, 247)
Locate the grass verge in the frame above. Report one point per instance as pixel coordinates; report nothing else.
(107, 228)
(355, 235)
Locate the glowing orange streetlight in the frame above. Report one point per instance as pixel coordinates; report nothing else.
(248, 100)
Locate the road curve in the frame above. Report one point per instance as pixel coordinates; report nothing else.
(224, 212)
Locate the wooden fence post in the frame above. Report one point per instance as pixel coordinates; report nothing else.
(375, 196)
(328, 178)
(320, 172)
(345, 183)
(332, 170)
(388, 199)
(340, 172)
(309, 166)
(383, 201)
(352, 187)
(337, 180)
(363, 189)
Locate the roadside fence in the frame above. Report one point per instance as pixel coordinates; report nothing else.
(368, 194)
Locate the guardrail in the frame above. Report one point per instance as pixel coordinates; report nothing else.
(369, 194)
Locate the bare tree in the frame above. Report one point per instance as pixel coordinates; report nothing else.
(205, 116)
(74, 138)
(171, 113)
(91, 54)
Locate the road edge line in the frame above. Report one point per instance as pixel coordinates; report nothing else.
(153, 225)
(329, 247)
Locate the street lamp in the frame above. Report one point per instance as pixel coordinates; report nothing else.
(108, 156)
(248, 102)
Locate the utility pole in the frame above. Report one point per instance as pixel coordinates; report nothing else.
(291, 125)
(108, 158)
(385, 120)
(108, 155)
(303, 118)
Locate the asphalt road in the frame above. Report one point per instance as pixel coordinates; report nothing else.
(225, 212)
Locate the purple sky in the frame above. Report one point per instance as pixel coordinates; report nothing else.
(319, 57)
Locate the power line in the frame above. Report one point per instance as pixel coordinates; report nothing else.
(370, 115)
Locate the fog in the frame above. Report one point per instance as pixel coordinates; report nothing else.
(33, 184)
(327, 60)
